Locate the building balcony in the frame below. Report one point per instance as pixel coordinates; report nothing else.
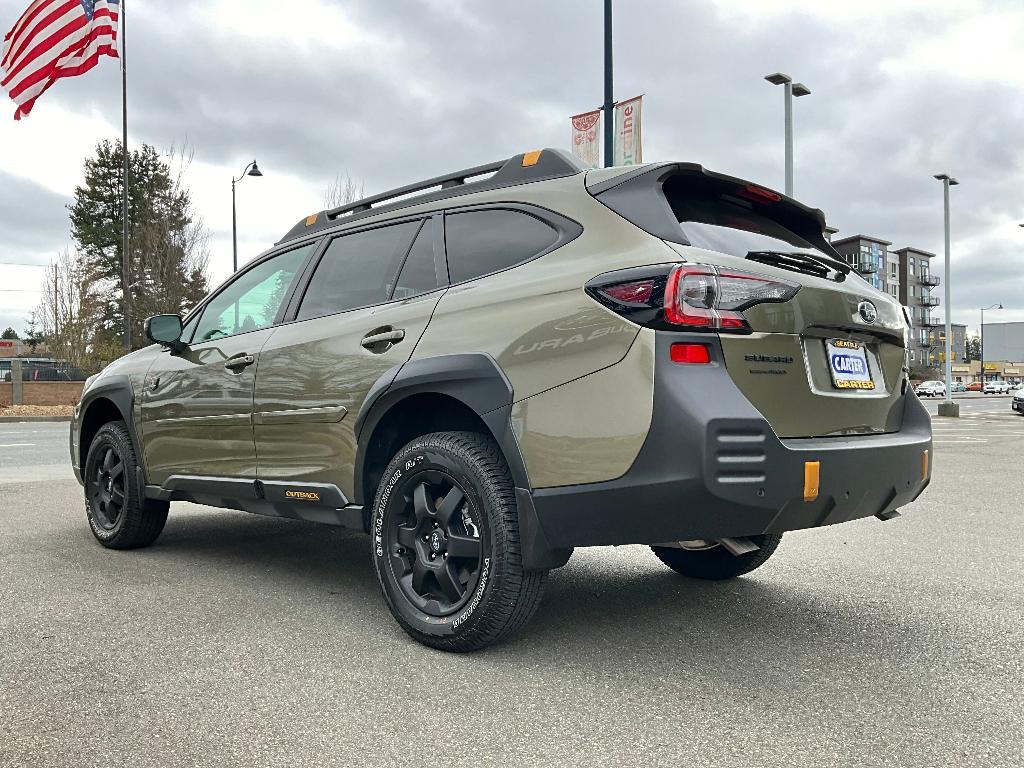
(930, 280)
(929, 301)
(930, 322)
(865, 267)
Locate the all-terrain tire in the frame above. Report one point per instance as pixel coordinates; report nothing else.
(502, 595)
(717, 563)
(119, 516)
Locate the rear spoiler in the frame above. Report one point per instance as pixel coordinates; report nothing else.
(644, 197)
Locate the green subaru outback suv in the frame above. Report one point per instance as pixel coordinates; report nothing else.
(487, 369)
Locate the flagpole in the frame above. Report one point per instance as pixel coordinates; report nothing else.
(124, 203)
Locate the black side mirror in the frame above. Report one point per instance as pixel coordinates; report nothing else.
(165, 330)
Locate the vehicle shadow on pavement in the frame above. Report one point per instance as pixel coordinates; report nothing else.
(606, 608)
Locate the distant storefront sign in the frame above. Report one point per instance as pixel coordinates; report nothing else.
(586, 138)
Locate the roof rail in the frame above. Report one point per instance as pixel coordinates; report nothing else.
(444, 182)
(519, 169)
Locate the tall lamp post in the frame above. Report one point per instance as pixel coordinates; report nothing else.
(609, 90)
(790, 89)
(250, 170)
(949, 408)
(982, 341)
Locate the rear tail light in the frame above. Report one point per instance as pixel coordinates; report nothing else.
(690, 296)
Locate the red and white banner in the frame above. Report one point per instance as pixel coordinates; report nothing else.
(586, 138)
(628, 144)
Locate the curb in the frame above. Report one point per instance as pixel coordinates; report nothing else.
(36, 419)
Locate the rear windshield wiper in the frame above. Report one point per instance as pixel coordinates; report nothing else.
(796, 261)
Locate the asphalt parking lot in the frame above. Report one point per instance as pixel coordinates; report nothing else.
(245, 641)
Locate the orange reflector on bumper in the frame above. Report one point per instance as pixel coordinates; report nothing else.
(924, 465)
(812, 470)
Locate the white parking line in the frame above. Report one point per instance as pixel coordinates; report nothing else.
(18, 445)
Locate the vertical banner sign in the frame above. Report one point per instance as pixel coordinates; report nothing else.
(586, 135)
(628, 144)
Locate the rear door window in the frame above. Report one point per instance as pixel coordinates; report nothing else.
(485, 241)
(357, 270)
(419, 272)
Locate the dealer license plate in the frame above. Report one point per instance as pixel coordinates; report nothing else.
(848, 362)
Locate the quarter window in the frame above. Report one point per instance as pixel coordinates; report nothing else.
(252, 301)
(357, 270)
(490, 240)
(419, 273)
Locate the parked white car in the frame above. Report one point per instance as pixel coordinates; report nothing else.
(931, 389)
(996, 388)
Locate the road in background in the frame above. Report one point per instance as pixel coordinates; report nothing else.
(37, 450)
(245, 641)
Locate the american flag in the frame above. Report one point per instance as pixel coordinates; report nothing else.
(55, 39)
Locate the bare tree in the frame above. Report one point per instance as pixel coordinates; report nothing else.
(342, 191)
(69, 313)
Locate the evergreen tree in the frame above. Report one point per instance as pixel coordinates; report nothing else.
(167, 256)
(10, 335)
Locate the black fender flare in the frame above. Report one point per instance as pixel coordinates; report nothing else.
(478, 382)
(118, 390)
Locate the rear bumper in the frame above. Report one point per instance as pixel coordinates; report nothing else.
(712, 467)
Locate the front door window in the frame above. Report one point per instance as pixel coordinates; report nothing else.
(252, 301)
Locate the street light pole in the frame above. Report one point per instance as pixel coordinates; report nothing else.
(949, 408)
(609, 89)
(250, 170)
(982, 342)
(790, 89)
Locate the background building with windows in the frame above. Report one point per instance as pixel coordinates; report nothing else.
(936, 343)
(867, 255)
(916, 294)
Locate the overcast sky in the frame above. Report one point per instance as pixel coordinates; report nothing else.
(392, 92)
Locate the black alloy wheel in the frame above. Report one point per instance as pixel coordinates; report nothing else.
(435, 544)
(105, 489)
(445, 543)
(119, 515)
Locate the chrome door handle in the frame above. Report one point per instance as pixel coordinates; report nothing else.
(384, 337)
(238, 362)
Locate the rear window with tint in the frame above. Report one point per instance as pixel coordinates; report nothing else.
(357, 270)
(481, 242)
(725, 227)
(721, 220)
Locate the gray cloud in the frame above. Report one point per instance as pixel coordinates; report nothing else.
(456, 84)
(33, 220)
